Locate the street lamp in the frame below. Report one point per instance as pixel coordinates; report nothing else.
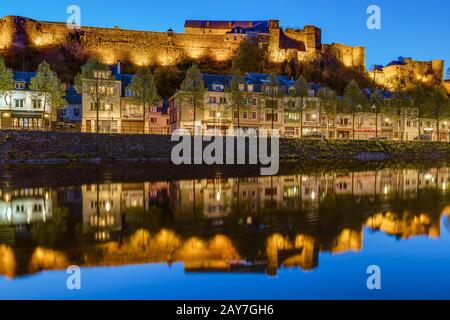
(108, 108)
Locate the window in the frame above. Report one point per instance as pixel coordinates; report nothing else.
(153, 120)
(19, 103)
(254, 115)
(269, 117)
(236, 114)
(76, 112)
(36, 104)
(245, 115)
(63, 112)
(212, 99)
(254, 102)
(223, 100)
(292, 116)
(408, 123)
(344, 121)
(19, 85)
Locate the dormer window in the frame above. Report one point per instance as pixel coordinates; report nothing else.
(218, 87)
(19, 85)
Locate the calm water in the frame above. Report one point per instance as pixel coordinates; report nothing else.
(287, 237)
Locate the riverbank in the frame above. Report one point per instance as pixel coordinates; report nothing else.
(54, 147)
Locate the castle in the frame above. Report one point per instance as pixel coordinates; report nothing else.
(406, 72)
(218, 40)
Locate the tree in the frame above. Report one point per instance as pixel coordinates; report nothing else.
(301, 91)
(237, 98)
(192, 91)
(6, 80)
(398, 108)
(377, 101)
(354, 100)
(143, 87)
(441, 106)
(328, 104)
(92, 81)
(271, 96)
(421, 100)
(47, 85)
(249, 58)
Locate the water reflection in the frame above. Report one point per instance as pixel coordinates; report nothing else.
(210, 225)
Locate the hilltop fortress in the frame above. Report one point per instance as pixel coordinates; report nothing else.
(217, 40)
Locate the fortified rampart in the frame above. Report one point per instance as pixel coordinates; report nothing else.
(167, 48)
(407, 72)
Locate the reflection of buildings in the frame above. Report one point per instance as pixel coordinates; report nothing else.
(20, 207)
(226, 224)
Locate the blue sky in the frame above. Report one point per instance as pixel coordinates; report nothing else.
(420, 29)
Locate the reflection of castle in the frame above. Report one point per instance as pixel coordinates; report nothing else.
(230, 224)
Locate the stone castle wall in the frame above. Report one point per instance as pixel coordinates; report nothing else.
(167, 48)
(409, 73)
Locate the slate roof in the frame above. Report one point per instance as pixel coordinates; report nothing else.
(72, 96)
(23, 76)
(254, 26)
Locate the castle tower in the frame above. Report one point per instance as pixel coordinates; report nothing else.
(274, 40)
(438, 70)
(313, 38)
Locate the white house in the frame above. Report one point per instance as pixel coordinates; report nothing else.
(23, 109)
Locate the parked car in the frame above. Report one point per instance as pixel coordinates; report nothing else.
(423, 137)
(314, 135)
(379, 139)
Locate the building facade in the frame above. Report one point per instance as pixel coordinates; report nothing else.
(119, 111)
(24, 109)
(294, 116)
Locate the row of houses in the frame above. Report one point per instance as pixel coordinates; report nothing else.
(217, 114)
(23, 109)
(121, 112)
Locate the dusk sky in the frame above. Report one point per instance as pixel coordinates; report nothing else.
(417, 29)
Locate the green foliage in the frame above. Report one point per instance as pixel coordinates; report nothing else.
(143, 87)
(192, 90)
(353, 97)
(237, 97)
(6, 78)
(96, 73)
(52, 232)
(193, 82)
(328, 101)
(46, 84)
(301, 88)
(249, 58)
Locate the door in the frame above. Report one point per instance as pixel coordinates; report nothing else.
(88, 126)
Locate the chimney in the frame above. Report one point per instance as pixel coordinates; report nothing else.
(119, 67)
